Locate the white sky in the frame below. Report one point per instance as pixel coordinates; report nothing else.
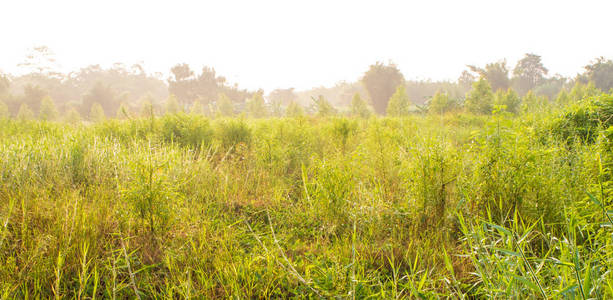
(302, 44)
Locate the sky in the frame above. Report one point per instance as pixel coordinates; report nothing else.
(303, 44)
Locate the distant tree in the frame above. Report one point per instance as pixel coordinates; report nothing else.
(381, 82)
(102, 94)
(323, 107)
(196, 108)
(359, 108)
(4, 111)
(123, 112)
(532, 103)
(562, 98)
(147, 108)
(97, 113)
(466, 80)
(5, 84)
(73, 116)
(48, 111)
(479, 100)
(256, 107)
(294, 110)
(25, 113)
(282, 96)
(509, 99)
(441, 103)
(33, 96)
(182, 83)
(225, 107)
(497, 74)
(172, 105)
(550, 87)
(399, 103)
(528, 73)
(600, 72)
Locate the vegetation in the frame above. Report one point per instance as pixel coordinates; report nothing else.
(116, 184)
(420, 206)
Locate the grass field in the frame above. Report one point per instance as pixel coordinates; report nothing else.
(425, 206)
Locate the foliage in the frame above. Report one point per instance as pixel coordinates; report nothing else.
(72, 116)
(48, 111)
(510, 100)
(381, 81)
(224, 106)
(172, 105)
(256, 107)
(25, 113)
(359, 108)
(97, 113)
(294, 110)
(528, 73)
(4, 111)
(441, 103)
(399, 104)
(480, 99)
(323, 108)
(582, 121)
(497, 74)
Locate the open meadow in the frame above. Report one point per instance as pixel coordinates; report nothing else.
(425, 205)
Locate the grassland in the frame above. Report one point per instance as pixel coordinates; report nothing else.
(427, 206)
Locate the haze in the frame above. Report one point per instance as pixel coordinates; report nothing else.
(282, 44)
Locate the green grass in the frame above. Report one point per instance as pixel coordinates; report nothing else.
(181, 206)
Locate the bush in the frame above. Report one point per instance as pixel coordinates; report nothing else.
(186, 130)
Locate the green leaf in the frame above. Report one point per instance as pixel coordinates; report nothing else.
(504, 230)
(508, 252)
(594, 199)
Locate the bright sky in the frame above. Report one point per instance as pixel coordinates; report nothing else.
(302, 44)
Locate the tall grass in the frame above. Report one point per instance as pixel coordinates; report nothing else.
(182, 206)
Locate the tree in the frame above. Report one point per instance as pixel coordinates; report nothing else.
(25, 113)
(529, 73)
(497, 74)
(509, 99)
(359, 108)
(562, 98)
(123, 112)
(4, 111)
(102, 94)
(282, 96)
(196, 108)
(323, 107)
(33, 96)
(97, 113)
(147, 109)
(440, 103)
(73, 116)
(256, 107)
(479, 100)
(399, 103)
(466, 80)
(48, 112)
(172, 105)
(224, 106)
(294, 110)
(600, 72)
(381, 82)
(533, 103)
(5, 84)
(182, 83)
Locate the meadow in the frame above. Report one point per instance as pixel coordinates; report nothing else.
(424, 206)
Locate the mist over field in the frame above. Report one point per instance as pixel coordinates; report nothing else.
(272, 150)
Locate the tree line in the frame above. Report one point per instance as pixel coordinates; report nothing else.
(95, 93)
